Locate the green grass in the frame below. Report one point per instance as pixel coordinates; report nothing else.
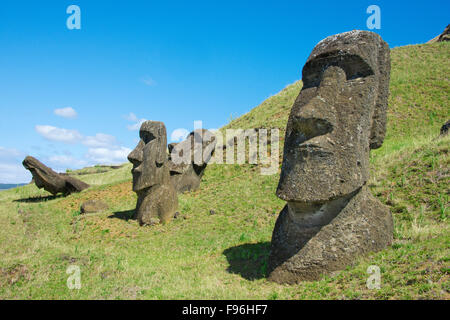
(224, 256)
(92, 170)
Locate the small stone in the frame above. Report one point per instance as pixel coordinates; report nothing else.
(154, 221)
(445, 128)
(93, 206)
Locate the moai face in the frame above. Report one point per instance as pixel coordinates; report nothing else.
(337, 118)
(149, 156)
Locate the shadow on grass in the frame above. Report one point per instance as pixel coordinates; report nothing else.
(249, 260)
(39, 199)
(123, 215)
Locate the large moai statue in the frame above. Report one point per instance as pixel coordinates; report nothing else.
(340, 114)
(157, 198)
(189, 158)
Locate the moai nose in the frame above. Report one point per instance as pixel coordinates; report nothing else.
(318, 116)
(136, 156)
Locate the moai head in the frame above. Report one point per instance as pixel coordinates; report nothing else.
(188, 159)
(338, 117)
(149, 156)
(197, 149)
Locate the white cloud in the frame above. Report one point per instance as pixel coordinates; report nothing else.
(9, 154)
(136, 126)
(103, 148)
(99, 140)
(63, 162)
(14, 173)
(108, 155)
(11, 168)
(179, 135)
(137, 122)
(148, 81)
(57, 134)
(131, 117)
(68, 112)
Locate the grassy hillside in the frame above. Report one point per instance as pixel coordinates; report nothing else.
(224, 256)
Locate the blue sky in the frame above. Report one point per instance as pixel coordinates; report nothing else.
(73, 98)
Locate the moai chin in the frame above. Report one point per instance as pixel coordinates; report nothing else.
(340, 114)
(157, 198)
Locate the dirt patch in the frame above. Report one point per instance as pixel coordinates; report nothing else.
(112, 195)
(12, 275)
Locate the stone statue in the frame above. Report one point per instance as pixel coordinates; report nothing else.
(340, 114)
(157, 198)
(51, 181)
(188, 159)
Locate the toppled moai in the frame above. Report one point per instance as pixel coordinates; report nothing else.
(157, 198)
(188, 159)
(51, 181)
(331, 217)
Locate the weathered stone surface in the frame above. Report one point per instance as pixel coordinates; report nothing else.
(188, 159)
(445, 128)
(93, 206)
(157, 198)
(444, 36)
(53, 182)
(340, 114)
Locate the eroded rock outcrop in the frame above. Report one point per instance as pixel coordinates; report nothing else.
(444, 36)
(331, 217)
(157, 198)
(51, 181)
(188, 159)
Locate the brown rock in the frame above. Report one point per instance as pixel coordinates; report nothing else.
(444, 36)
(445, 128)
(330, 217)
(53, 182)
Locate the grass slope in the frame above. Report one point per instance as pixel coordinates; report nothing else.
(224, 256)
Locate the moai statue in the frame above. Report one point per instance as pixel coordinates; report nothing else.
(340, 114)
(157, 198)
(188, 159)
(51, 181)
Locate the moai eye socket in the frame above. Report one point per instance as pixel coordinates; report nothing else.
(147, 137)
(353, 65)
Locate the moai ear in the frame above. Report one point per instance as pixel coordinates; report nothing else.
(379, 119)
(162, 145)
(378, 126)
